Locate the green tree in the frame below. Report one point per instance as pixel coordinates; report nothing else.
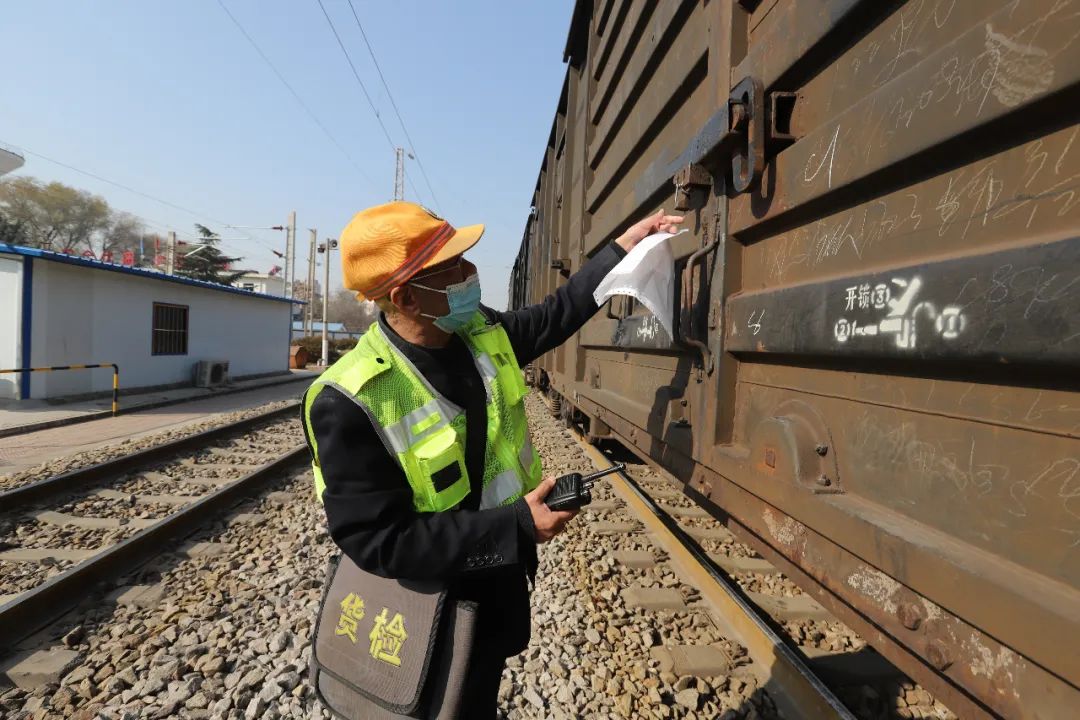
(205, 261)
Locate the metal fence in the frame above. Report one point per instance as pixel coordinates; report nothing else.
(115, 380)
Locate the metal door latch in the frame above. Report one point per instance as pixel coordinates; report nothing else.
(736, 135)
(691, 180)
(746, 104)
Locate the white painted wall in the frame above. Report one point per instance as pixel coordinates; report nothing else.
(84, 315)
(9, 160)
(10, 323)
(265, 284)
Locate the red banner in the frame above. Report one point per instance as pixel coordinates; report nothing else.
(106, 256)
(89, 255)
(128, 259)
(159, 260)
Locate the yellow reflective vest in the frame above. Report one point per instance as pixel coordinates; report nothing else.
(425, 432)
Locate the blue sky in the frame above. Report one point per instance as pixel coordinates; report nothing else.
(170, 99)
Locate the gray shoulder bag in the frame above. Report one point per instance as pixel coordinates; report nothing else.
(389, 648)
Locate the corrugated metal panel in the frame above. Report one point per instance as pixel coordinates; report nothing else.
(901, 286)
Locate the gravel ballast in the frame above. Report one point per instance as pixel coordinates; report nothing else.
(230, 636)
(126, 447)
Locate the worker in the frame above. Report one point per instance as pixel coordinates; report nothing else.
(426, 415)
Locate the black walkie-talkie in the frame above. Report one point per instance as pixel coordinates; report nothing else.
(573, 490)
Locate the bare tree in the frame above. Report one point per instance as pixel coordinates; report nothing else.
(55, 216)
(301, 291)
(357, 316)
(11, 233)
(124, 233)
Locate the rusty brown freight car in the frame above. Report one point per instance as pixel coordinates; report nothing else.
(875, 370)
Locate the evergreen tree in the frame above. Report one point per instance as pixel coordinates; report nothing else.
(205, 261)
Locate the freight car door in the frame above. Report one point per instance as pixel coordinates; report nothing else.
(902, 333)
(646, 89)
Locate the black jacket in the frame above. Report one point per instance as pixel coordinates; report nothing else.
(483, 555)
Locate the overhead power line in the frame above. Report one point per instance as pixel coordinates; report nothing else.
(194, 213)
(363, 88)
(382, 78)
(128, 188)
(296, 96)
(367, 95)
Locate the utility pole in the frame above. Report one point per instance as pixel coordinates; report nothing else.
(326, 247)
(290, 254)
(399, 174)
(170, 254)
(309, 314)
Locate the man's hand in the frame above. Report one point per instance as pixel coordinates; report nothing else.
(650, 225)
(548, 523)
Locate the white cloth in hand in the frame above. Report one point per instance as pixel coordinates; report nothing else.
(647, 274)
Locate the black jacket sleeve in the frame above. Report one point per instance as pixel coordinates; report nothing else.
(538, 328)
(370, 513)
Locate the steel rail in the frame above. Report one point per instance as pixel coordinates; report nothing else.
(36, 608)
(19, 497)
(805, 694)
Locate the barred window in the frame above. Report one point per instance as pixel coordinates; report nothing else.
(170, 331)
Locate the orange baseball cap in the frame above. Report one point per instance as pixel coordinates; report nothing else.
(383, 246)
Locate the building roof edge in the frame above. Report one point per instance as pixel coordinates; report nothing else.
(139, 272)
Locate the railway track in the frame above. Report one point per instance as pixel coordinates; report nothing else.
(802, 659)
(61, 535)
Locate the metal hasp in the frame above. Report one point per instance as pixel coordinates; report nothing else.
(741, 119)
(690, 182)
(747, 105)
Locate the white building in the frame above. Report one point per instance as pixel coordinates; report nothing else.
(62, 310)
(262, 283)
(9, 160)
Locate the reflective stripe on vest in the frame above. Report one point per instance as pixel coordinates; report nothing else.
(425, 432)
(507, 484)
(420, 423)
